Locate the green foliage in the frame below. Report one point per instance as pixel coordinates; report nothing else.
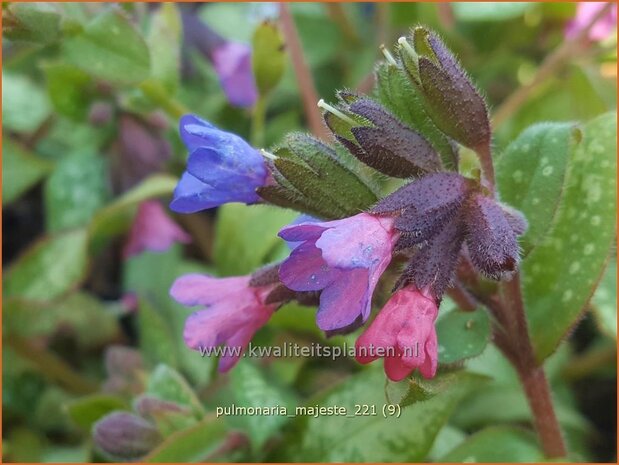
(164, 41)
(36, 22)
(22, 168)
(462, 335)
(246, 236)
(195, 444)
(87, 410)
(50, 269)
(28, 103)
(531, 175)
(72, 71)
(70, 90)
(604, 301)
(110, 48)
(561, 274)
(76, 190)
(252, 388)
(497, 444)
(373, 437)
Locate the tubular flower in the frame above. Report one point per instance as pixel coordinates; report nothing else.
(585, 13)
(153, 230)
(403, 334)
(222, 168)
(234, 311)
(232, 63)
(344, 259)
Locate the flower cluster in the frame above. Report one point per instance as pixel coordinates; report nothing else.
(435, 220)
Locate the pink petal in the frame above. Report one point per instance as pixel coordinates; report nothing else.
(198, 289)
(344, 300)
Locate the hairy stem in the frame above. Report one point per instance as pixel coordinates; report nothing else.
(303, 73)
(484, 152)
(531, 375)
(549, 66)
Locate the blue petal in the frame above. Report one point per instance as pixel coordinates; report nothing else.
(192, 195)
(218, 169)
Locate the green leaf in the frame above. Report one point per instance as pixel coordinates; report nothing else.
(156, 340)
(50, 268)
(167, 384)
(31, 22)
(164, 41)
(20, 170)
(374, 438)
(497, 444)
(24, 104)
(561, 273)
(396, 93)
(87, 410)
(268, 57)
(531, 175)
(489, 11)
(252, 388)
(604, 302)
(246, 235)
(462, 335)
(110, 48)
(116, 217)
(195, 444)
(80, 314)
(70, 90)
(75, 191)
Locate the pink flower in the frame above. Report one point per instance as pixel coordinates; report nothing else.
(232, 62)
(344, 259)
(234, 312)
(404, 334)
(585, 12)
(153, 230)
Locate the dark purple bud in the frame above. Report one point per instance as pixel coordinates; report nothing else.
(390, 147)
(379, 139)
(515, 219)
(125, 436)
(438, 192)
(452, 101)
(491, 240)
(421, 226)
(433, 266)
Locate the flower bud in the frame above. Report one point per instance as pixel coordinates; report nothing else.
(451, 100)
(379, 139)
(125, 436)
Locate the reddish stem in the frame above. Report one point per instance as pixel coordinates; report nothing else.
(303, 73)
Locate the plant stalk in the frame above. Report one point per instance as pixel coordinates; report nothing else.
(257, 122)
(531, 375)
(307, 88)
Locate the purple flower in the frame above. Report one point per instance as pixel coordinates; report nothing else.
(222, 168)
(153, 230)
(232, 62)
(234, 311)
(342, 258)
(404, 334)
(585, 12)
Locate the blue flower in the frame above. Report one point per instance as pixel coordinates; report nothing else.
(222, 168)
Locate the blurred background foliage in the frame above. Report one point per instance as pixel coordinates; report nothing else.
(91, 96)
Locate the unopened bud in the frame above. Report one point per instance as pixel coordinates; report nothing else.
(451, 100)
(125, 436)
